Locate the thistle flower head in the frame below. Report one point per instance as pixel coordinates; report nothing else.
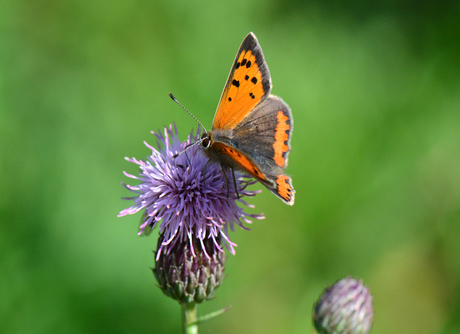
(344, 308)
(189, 196)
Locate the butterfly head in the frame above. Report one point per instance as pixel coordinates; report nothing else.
(206, 140)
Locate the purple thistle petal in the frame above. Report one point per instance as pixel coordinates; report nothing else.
(188, 204)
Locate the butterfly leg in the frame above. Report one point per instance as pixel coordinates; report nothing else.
(186, 155)
(180, 165)
(204, 171)
(234, 183)
(226, 180)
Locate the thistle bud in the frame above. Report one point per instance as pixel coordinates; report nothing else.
(344, 308)
(188, 271)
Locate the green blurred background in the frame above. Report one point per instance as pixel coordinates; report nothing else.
(375, 92)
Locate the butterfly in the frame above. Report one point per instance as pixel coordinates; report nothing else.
(252, 128)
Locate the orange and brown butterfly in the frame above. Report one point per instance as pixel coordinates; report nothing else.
(252, 128)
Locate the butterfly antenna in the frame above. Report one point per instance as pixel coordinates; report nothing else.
(188, 147)
(196, 119)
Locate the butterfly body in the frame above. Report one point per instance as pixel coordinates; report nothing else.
(252, 128)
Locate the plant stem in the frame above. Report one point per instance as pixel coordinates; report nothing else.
(189, 325)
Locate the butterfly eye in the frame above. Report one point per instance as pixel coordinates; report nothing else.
(205, 140)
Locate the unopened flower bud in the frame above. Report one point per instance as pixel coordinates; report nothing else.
(344, 308)
(190, 274)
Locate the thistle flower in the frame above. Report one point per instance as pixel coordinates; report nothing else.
(190, 196)
(344, 308)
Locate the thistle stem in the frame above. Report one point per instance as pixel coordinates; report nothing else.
(189, 324)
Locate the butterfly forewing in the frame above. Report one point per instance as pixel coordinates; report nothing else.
(247, 85)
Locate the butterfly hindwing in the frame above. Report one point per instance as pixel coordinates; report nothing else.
(247, 85)
(265, 137)
(266, 133)
(272, 177)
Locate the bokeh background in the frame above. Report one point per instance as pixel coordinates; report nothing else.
(375, 92)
